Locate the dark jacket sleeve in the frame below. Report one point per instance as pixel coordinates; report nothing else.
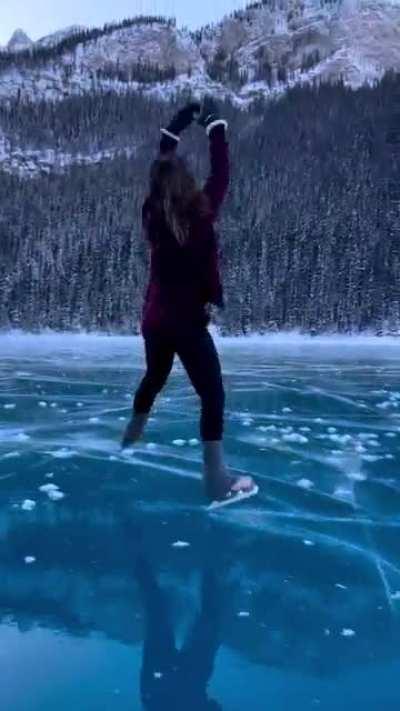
(168, 143)
(218, 181)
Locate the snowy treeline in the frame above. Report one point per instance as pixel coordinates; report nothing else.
(310, 231)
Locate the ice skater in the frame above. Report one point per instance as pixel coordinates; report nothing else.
(178, 221)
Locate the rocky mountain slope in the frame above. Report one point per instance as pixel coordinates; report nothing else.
(256, 52)
(253, 51)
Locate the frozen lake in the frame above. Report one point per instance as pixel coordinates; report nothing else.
(289, 602)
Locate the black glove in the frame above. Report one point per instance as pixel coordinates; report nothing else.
(210, 118)
(184, 118)
(209, 112)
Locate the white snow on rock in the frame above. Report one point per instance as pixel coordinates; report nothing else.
(28, 505)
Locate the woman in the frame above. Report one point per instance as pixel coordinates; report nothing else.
(178, 221)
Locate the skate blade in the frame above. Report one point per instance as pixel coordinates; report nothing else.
(240, 496)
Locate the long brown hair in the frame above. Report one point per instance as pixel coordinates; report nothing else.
(175, 197)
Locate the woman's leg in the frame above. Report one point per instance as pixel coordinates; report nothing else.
(201, 362)
(200, 359)
(159, 361)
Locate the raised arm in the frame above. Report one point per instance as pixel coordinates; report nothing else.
(218, 180)
(217, 183)
(170, 136)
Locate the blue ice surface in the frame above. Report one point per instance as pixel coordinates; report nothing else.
(121, 592)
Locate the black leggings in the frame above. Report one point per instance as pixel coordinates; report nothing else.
(199, 357)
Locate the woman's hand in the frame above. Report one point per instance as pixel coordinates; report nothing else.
(209, 112)
(184, 118)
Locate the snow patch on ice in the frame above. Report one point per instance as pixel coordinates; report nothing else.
(63, 453)
(22, 437)
(305, 483)
(56, 495)
(46, 488)
(295, 437)
(28, 505)
(347, 632)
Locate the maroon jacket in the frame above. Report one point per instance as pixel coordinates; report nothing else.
(184, 279)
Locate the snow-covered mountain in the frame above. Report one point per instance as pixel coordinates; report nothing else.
(258, 51)
(254, 51)
(19, 42)
(57, 37)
